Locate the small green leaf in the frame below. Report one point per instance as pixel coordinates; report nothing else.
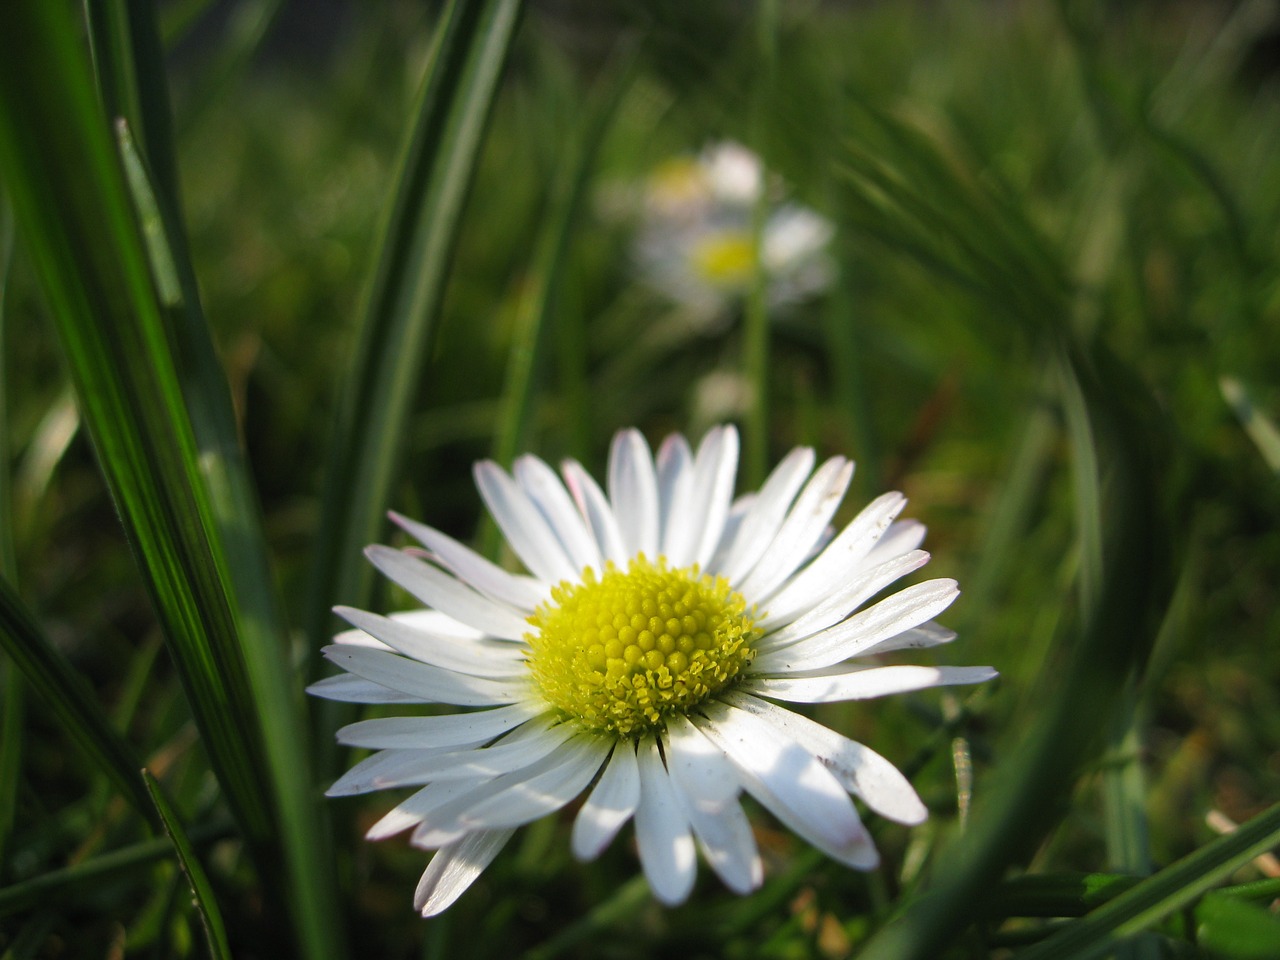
(1235, 929)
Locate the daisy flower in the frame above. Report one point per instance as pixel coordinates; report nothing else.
(696, 241)
(645, 661)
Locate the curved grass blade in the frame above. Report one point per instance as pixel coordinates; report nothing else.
(1128, 593)
(1161, 894)
(402, 303)
(206, 906)
(67, 695)
(160, 418)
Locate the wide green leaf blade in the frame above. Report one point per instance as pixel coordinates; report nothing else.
(142, 378)
(402, 304)
(1162, 893)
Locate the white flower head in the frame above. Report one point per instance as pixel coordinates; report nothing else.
(643, 660)
(697, 244)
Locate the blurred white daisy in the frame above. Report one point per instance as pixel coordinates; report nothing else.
(642, 661)
(696, 239)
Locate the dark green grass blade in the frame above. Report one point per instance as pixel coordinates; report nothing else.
(69, 698)
(202, 893)
(1161, 894)
(403, 301)
(185, 506)
(71, 883)
(1025, 794)
(12, 692)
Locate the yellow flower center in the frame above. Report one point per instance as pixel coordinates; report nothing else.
(621, 652)
(725, 259)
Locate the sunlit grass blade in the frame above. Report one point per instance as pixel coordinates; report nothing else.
(69, 698)
(403, 300)
(1161, 894)
(124, 39)
(132, 50)
(202, 893)
(1019, 802)
(1261, 429)
(181, 491)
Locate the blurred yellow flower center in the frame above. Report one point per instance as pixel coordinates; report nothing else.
(622, 651)
(725, 259)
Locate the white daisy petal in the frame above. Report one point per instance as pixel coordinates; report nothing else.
(864, 683)
(452, 731)
(351, 689)
(901, 536)
(675, 492)
(715, 468)
(728, 844)
(858, 768)
(523, 593)
(833, 565)
(708, 786)
(478, 658)
(699, 767)
(633, 491)
(761, 521)
(418, 806)
(801, 530)
(847, 598)
(595, 507)
(547, 493)
(611, 804)
(429, 683)
(545, 793)
(662, 831)
(917, 638)
(738, 511)
(523, 525)
(903, 610)
(445, 821)
(387, 769)
(445, 593)
(455, 867)
(792, 784)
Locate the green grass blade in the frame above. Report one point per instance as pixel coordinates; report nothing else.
(1020, 803)
(1261, 429)
(1161, 894)
(178, 483)
(403, 302)
(70, 883)
(69, 698)
(202, 893)
(12, 693)
(307, 864)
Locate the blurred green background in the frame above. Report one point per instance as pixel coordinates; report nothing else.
(1009, 184)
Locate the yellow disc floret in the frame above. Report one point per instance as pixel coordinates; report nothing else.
(622, 651)
(724, 259)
